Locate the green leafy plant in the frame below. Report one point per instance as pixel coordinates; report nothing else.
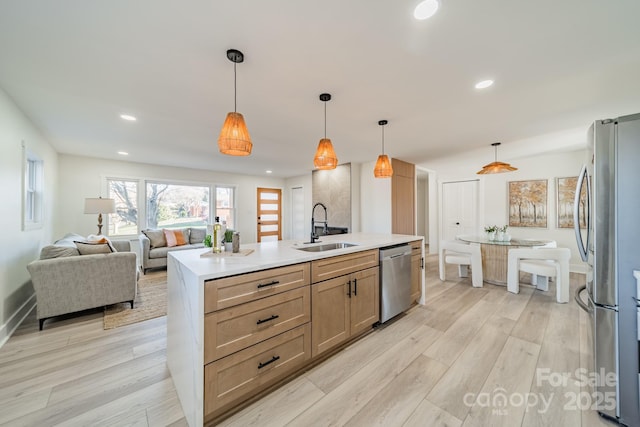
(503, 228)
(491, 229)
(228, 235)
(207, 241)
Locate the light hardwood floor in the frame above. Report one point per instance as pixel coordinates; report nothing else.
(439, 365)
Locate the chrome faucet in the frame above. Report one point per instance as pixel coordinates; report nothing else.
(314, 236)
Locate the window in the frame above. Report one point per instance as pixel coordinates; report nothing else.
(33, 191)
(125, 220)
(225, 205)
(175, 206)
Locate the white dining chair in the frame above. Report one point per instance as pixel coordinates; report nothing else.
(541, 263)
(455, 252)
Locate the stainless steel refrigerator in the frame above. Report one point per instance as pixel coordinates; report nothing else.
(610, 246)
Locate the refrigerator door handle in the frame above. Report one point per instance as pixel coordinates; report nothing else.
(582, 247)
(579, 300)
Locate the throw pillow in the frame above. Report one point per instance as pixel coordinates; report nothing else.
(52, 251)
(181, 237)
(101, 239)
(156, 238)
(170, 237)
(197, 235)
(91, 248)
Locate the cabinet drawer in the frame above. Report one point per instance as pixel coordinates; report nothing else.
(232, 329)
(230, 291)
(416, 247)
(329, 268)
(244, 373)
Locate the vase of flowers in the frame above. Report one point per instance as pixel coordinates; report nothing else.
(491, 232)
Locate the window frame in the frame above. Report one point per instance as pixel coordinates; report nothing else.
(32, 190)
(234, 205)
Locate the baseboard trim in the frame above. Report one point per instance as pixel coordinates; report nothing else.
(16, 319)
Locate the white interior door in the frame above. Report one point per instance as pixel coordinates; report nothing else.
(297, 213)
(459, 208)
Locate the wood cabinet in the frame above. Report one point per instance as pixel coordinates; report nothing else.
(344, 305)
(256, 330)
(417, 265)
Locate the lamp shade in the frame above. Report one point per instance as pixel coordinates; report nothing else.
(496, 167)
(383, 168)
(99, 206)
(234, 137)
(325, 157)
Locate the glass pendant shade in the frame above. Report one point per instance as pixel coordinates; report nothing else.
(325, 157)
(496, 166)
(383, 167)
(234, 137)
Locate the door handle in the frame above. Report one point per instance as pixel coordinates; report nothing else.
(422, 263)
(349, 286)
(457, 223)
(268, 319)
(355, 287)
(264, 285)
(583, 247)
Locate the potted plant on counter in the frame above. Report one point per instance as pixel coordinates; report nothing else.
(228, 240)
(491, 232)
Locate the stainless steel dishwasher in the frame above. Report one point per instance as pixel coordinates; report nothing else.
(395, 281)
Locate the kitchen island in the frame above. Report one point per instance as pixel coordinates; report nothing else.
(219, 354)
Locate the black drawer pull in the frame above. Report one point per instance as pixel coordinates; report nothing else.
(349, 286)
(355, 287)
(264, 285)
(422, 263)
(268, 362)
(261, 321)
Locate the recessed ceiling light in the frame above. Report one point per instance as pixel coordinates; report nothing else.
(128, 117)
(123, 153)
(269, 171)
(484, 84)
(426, 9)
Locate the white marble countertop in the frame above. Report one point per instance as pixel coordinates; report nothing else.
(276, 254)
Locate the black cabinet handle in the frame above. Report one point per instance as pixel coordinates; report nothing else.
(261, 321)
(355, 287)
(422, 263)
(349, 286)
(264, 285)
(268, 362)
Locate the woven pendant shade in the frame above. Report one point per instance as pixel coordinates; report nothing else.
(383, 167)
(234, 137)
(325, 157)
(496, 166)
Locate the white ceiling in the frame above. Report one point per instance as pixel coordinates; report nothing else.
(74, 66)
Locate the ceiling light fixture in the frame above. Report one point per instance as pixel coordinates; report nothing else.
(496, 166)
(123, 153)
(234, 137)
(268, 171)
(128, 117)
(383, 168)
(484, 84)
(426, 9)
(325, 157)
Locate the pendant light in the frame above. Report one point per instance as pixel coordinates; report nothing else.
(234, 137)
(325, 157)
(383, 167)
(496, 166)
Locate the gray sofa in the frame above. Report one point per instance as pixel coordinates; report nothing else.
(154, 249)
(66, 281)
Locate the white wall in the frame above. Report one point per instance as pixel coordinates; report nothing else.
(494, 190)
(17, 247)
(81, 177)
(375, 201)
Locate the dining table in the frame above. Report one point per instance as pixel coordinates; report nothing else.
(495, 254)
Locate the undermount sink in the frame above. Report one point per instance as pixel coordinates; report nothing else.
(326, 247)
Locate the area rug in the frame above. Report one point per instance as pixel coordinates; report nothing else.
(150, 302)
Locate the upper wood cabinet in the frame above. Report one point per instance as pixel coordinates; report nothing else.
(403, 198)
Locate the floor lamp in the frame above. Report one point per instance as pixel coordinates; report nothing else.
(99, 206)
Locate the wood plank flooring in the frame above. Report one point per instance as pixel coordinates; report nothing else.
(446, 364)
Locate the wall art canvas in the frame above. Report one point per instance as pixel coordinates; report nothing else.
(528, 203)
(566, 191)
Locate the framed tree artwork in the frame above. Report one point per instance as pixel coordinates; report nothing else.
(566, 191)
(528, 203)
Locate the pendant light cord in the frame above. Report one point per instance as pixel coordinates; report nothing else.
(382, 139)
(235, 89)
(325, 119)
